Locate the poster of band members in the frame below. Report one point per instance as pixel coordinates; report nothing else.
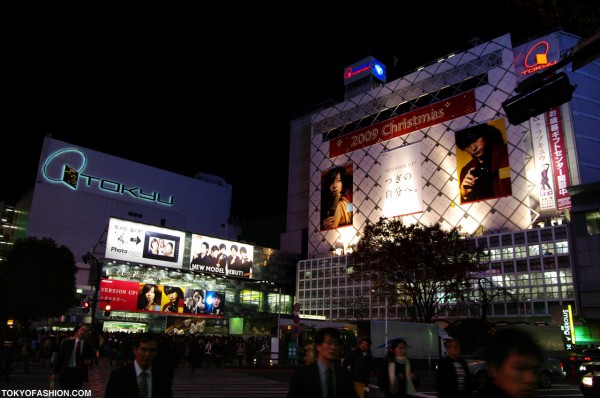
(146, 244)
(336, 197)
(482, 162)
(142, 297)
(401, 181)
(221, 257)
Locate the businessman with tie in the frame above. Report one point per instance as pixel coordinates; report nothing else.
(145, 377)
(74, 357)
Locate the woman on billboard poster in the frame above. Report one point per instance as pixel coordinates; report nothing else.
(336, 197)
(487, 173)
(149, 298)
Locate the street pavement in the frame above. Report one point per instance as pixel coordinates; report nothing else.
(222, 382)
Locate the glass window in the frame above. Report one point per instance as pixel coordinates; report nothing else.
(523, 280)
(535, 264)
(534, 250)
(532, 237)
(547, 249)
(301, 275)
(549, 263)
(510, 281)
(519, 238)
(522, 266)
(564, 262)
(494, 254)
(537, 278)
(567, 291)
(507, 240)
(482, 242)
(520, 251)
(507, 253)
(560, 233)
(546, 235)
(592, 221)
(565, 277)
(308, 274)
(551, 278)
(552, 292)
(562, 247)
(494, 241)
(509, 266)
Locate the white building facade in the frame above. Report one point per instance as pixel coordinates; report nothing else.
(398, 143)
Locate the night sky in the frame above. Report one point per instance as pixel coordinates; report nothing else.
(172, 92)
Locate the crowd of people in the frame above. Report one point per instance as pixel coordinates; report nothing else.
(513, 362)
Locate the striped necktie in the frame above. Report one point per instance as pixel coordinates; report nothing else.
(143, 385)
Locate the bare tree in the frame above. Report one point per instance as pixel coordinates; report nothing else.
(415, 267)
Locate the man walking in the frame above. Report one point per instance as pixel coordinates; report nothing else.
(74, 357)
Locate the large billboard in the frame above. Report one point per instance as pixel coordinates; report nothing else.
(221, 257)
(402, 181)
(336, 197)
(154, 297)
(142, 243)
(482, 162)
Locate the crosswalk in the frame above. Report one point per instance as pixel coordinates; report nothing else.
(209, 383)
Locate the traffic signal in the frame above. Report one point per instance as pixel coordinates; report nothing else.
(85, 306)
(107, 309)
(543, 95)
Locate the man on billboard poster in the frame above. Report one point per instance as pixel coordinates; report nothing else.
(336, 197)
(487, 174)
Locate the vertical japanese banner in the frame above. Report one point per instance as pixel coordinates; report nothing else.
(543, 161)
(401, 181)
(559, 158)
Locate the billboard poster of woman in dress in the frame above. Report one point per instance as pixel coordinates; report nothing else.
(336, 197)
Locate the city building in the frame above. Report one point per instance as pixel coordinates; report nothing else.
(409, 148)
(131, 226)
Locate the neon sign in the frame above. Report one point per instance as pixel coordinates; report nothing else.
(364, 67)
(74, 162)
(537, 58)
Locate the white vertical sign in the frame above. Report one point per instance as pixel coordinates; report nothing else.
(543, 163)
(401, 181)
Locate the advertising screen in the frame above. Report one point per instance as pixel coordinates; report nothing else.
(221, 257)
(336, 197)
(145, 244)
(151, 297)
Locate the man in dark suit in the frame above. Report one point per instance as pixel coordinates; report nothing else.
(143, 374)
(74, 357)
(324, 378)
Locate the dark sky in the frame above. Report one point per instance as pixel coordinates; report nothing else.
(176, 93)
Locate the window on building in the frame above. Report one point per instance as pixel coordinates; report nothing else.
(560, 233)
(539, 308)
(547, 235)
(564, 262)
(567, 292)
(548, 249)
(522, 266)
(562, 247)
(507, 240)
(537, 293)
(551, 277)
(494, 241)
(552, 292)
(520, 251)
(509, 266)
(523, 280)
(535, 264)
(532, 237)
(537, 279)
(507, 253)
(494, 254)
(534, 250)
(549, 263)
(519, 238)
(510, 281)
(565, 277)
(499, 309)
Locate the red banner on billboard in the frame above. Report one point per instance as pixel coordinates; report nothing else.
(559, 158)
(123, 295)
(418, 119)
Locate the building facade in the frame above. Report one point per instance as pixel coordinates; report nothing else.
(110, 211)
(406, 149)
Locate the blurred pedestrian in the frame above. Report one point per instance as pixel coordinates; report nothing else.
(401, 380)
(74, 357)
(360, 365)
(325, 377)
(144, 377)
(452, 378)
(513, 363)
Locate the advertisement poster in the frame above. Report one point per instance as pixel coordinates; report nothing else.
(336, 197)
(401, 181)
(145, 244)
(221, 257)
(482, 162)
(543, 161)
(151, 297)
